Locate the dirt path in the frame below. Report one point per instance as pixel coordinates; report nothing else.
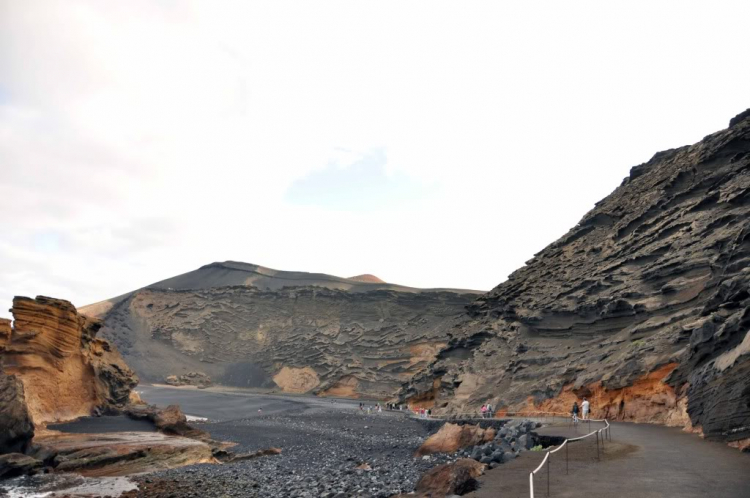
(643, 460)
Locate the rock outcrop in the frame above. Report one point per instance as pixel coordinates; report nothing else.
(121, 453)
(54, 368)
(453, 437)
(644, 306)
(16, 427)
(197, 379)
(169, 420)
(64, 370)
(457, 478)
(247, 326)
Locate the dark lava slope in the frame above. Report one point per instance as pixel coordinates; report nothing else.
(249, 326)
(644, 306)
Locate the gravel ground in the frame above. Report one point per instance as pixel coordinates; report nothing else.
(327, 452)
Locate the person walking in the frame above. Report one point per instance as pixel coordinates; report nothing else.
(585, 406)
(574, 412)
(489, 410)
(484, 411)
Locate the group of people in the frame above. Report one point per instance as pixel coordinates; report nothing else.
(584, 410)
(423, 412)
(378, 408)
(487, 410)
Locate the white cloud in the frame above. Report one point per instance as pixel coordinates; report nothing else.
(148, 138)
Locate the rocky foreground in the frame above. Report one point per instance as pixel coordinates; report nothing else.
(334, 453)
(54, 368)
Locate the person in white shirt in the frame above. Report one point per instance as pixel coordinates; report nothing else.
(585, 408)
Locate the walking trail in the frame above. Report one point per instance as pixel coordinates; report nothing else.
(642, 460)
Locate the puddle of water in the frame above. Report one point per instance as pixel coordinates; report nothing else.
(58, 485)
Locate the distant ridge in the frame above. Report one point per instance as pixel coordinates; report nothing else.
(367, 278)
(245, 325)
(235, 273)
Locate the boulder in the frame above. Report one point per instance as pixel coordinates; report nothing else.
(476, 453)
(16, 427)
(526, 442)
(452, 437)
(169, 420)
(17, 464)
(457, 478)
(198, 379)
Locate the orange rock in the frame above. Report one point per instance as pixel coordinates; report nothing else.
(453, 437)
(66, 371)
(742, 444)
(649, 399)
(5, 331)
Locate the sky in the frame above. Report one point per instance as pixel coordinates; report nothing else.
(433, 144)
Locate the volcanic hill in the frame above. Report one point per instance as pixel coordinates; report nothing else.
(248, 326)
(644, 306)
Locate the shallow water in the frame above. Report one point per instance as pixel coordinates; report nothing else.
(103, 425)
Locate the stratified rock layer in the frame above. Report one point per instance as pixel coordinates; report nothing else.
(644, 306)
(64, 369)
(297, 339)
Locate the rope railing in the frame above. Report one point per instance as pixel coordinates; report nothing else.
(600, 434)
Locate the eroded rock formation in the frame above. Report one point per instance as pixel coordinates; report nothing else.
(197, 379)
(453, 437)
(457, 478)
(65, 370)
(54, 368)
(338, 337)
(16, 427)
(644, 306)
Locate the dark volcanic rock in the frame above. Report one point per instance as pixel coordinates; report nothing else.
(322, 334)
(642, 306)
(333, 450)
(16, 464)
(198, 379)
(16, 428)
(455, 478)
(169, 420)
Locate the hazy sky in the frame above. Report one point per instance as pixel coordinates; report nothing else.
(428, 143)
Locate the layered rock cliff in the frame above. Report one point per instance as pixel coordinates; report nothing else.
(53, 360)
(249, 326)
(644, 306)
(53, 368)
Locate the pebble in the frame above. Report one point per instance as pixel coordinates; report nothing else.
(320, 455)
